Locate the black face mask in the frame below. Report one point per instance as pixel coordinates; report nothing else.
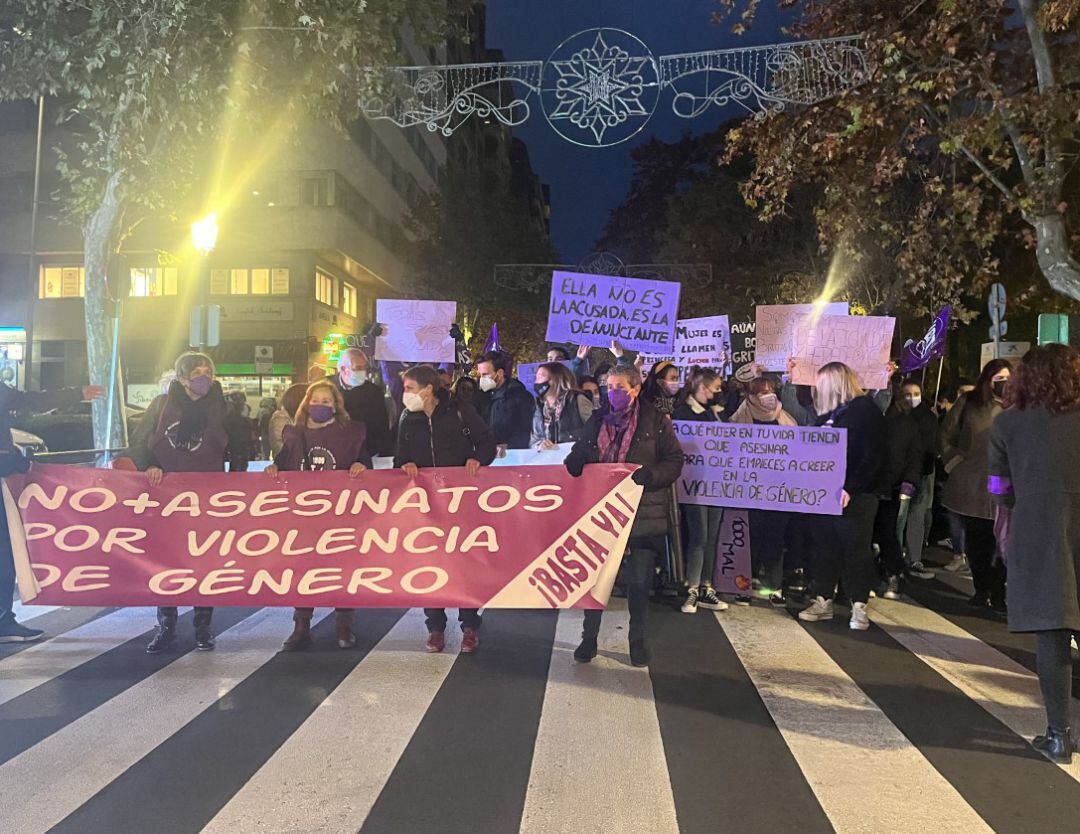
(541, 389)
(998, 387)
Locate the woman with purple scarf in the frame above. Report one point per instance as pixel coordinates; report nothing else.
(625, 432)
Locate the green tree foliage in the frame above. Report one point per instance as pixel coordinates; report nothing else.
(963, 139)
(153, 88)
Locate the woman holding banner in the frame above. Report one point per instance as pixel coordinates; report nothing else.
(701, 401)
(323, 438)
(438, 431)
(630, 432)
(184, 431)
(561, 410)
(844, 543)
(768, 528)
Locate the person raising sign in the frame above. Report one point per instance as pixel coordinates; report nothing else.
(322, 439)
(438, 431)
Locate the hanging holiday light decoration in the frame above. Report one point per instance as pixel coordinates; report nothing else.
(600, 87)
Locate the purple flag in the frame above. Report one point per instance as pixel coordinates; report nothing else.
(492, 342)
(930, 347)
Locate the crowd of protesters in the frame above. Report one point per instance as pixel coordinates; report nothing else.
(992, 468)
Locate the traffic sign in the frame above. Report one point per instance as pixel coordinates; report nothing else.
(264, 359)
(999, 329)
(997, 302)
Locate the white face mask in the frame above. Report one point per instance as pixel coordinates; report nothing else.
(412, 402)
(914, 400)
(488, 383)
(355, 379)
(768, 401)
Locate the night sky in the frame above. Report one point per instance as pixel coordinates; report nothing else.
(586, 183)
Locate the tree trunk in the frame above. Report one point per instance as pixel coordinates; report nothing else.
(99, 241)
(1057, 263)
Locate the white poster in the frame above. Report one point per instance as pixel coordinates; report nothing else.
(776, 325)
(415, 331)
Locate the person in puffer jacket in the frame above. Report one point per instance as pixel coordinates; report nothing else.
(628, 431)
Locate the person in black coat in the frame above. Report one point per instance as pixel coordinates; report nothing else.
(630, 431)
(1034, 469)
(365, 400)
(844, 543)
(918, 515)
(436, 430)
(506, 405)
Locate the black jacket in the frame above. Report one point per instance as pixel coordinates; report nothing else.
(700, 414)
(929, 429)
(867, 440)
(509, 413)
(656, 448)
(905, 451)
(453, 434)
(367, 404)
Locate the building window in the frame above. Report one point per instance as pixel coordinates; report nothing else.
(348, 299)
(61, 282)
(153, 281)
(238, 282)
(260, 282)
(324, 288)
(314, 191)
(279, 281)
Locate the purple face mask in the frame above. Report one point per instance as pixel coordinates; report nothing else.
(200, 385)
(321, 413)
(619, 400)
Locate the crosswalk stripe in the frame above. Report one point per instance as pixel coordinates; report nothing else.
(724, 754)
(587, 710)
(999, 684)
(856, 760)
(51, 658)
(466, 767)
(69, 767)
(28, 612)
(310, 784)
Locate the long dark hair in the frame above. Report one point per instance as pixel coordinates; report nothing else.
(983, 394)
(652, 389)
(697, 376)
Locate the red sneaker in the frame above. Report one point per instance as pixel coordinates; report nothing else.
(470, 640)
(436, 642)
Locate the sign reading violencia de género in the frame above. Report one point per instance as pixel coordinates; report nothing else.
(525, 537)
(796, 469)
(595, 309)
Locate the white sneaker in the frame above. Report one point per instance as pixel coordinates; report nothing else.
(892, 590)
(690, 606)
(820, 609)
(959, 562)
(859, 619)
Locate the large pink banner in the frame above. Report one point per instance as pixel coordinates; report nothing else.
(525, 537)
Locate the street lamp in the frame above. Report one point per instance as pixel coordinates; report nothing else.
(204, 232)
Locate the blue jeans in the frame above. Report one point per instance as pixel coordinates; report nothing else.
(7, 572)
(703, 525)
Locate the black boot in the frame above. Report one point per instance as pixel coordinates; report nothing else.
(1056, 745)
(166, 632)
(639, 652)
(204, 637)
(586, 651)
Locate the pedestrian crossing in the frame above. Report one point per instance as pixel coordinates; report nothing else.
(747, 720)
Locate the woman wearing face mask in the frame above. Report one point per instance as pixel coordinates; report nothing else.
(561, 412)
(323, 438)
(183, 431)
(662, 387)
(844, 543)
(629, 432)
(701, 401)
(768, 528)
(965, 439)
(437, 431)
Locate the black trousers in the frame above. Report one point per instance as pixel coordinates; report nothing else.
(638, 569)
(844, 549)
(768, 532)
(987, 571)
(166, 616)
(892, 555)
(436, 618)
(1053, 659)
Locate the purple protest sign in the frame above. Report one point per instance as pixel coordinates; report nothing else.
(733, 572)
(919, 354)
(594, 309)
(794, 469)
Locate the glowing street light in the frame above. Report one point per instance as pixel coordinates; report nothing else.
(204, 232)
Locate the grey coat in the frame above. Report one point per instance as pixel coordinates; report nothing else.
(965, 438)
(1038, 454)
